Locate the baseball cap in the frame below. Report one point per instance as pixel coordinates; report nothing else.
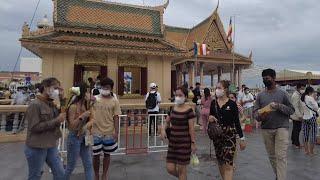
(153, 85)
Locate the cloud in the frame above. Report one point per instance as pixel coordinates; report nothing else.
(282, 34)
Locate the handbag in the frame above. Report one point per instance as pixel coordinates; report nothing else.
(316, 113)
(214, 129)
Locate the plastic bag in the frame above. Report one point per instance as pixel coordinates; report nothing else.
(194, 160)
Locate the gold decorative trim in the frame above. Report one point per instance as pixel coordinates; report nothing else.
(132, 61)
(131, 96)
(91, 58)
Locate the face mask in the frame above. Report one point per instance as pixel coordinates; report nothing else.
(105, 92)
(54, 93)
(302, 91)
(267, 83)
(219, 92)
(179, 100)
(247, 92)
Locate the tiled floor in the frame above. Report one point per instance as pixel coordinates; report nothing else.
(252, 164)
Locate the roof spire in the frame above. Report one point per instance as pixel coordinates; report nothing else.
(216, 10)
(166, 4)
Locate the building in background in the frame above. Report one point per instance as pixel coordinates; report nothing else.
(92, 37)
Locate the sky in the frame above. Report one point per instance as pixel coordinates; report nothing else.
(282, 34)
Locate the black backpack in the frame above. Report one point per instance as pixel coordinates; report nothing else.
(151, 101)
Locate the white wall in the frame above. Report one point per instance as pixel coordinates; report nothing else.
(31, 65)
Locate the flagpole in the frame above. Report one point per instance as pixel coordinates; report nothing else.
(233, 57)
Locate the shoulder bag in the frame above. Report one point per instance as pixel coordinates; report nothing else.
(214, 129)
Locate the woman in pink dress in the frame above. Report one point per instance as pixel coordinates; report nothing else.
(205, 111)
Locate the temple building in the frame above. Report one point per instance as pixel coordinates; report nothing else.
(130, 44)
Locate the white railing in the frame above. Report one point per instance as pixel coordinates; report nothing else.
(128, 136)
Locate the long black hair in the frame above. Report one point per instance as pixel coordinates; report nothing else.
(207, 93)
(308, 91)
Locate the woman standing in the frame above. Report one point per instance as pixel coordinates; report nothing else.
(43, 132)
(225, 112)
(205, 111)
(182, 136)
(77, 117)
(310, 111)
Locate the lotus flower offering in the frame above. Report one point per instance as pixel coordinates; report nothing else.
(266, 109)
(75, 91)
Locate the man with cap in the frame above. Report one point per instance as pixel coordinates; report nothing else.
(153, 100)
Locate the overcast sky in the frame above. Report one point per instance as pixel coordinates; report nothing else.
(281, 34)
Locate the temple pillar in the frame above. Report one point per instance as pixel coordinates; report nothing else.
(239, 76)
(201, 73)
(179, 75)
(58, 64)
(112, 64)
(211, 78)
(235, 81)
(184, 74)
(191, 74)
(220, 71)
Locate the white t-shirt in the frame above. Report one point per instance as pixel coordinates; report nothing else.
(248, 97)
(311, 103)
(157, 108)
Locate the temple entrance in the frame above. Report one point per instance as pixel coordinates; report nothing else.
(90, 71)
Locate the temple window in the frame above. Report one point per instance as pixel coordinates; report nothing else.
(132, 76)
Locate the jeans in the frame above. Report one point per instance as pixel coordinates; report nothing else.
(296, 129)
(76, 147)
(276, 142)
(36, 157)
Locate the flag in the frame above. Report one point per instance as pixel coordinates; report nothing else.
(230, 30)
(200, 49)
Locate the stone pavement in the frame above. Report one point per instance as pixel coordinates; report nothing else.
(252, 164)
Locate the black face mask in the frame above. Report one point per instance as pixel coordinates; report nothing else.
(267, 83)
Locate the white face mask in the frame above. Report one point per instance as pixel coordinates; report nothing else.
(219, 92)
(105, 92)
(302, 91)
(54, 93)
(179, 100)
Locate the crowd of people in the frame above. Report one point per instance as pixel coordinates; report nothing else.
(92, 113)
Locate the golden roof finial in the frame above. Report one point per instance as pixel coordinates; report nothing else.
(25, 29)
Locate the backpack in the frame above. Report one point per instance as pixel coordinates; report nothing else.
(151, 101)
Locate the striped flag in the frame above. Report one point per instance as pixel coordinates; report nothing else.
(230, 30)
(200, 49)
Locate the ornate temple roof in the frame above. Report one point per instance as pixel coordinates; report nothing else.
(115, 27)
(110, 43)
(108, 16)
(210, 31)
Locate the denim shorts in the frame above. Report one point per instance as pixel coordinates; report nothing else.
(104, 144)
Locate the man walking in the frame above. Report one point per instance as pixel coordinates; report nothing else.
(153, 100)
(273, 108)
(298, 115)
(106, 111)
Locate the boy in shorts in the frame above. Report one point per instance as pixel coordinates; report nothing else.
(105, 127)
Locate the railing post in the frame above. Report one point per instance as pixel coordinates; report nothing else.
(3, 122)
(15, 123)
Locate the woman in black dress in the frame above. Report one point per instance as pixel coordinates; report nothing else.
(225, 112)
(182, 136)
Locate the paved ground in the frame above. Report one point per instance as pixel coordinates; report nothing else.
(252, 164)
